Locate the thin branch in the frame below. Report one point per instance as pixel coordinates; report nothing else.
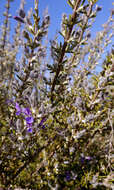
(5, 32)
(64, 47)
(83, 29)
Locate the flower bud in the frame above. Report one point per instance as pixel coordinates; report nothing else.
(99, 9)
(19, 19)
(22, 13)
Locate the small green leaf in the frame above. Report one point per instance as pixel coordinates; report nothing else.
(70, 4)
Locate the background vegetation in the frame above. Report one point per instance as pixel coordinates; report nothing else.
(56, 127)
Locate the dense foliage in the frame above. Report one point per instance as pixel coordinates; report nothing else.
(56, 127)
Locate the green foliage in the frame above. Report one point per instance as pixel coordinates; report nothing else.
(69, 110)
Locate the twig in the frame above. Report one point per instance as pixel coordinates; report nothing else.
(64, 47)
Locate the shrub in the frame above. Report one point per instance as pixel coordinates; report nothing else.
(56, 127)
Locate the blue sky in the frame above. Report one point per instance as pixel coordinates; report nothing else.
(56, 8)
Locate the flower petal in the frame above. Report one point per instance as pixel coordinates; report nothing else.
(18, 108)
(29, 120)
(29, 130)
(26, 111)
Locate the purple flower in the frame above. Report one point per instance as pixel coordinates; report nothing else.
(9, 101)
(18, 108)
(26, 111)
(43, 126)
(68, 177)
(29, 120)
(82, 159)
(29, 129)
(27, 114)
